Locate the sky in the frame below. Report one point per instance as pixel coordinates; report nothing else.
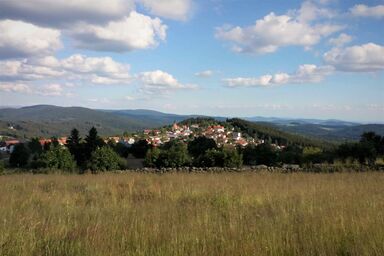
(319, 59)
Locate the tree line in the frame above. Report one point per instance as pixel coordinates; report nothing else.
(92, 153)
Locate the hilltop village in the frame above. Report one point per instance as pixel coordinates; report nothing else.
(184, 131)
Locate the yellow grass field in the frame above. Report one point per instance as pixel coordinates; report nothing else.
(192, 214)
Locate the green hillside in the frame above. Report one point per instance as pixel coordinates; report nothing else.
(46, 121)
(271, 132)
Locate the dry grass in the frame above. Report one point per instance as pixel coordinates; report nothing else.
(192, 214)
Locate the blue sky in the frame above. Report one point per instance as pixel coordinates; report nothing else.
(314, 59)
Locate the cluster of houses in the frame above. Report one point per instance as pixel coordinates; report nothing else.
(220, 134)
(8, 145)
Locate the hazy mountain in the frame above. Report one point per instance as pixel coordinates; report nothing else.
(300, 121)
(323, 129)
(332, 132)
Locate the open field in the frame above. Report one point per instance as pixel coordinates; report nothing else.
(192, 214)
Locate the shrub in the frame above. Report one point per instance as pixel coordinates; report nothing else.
(152, 157)
(2, 166)
(225, 157)
(211, 158)
(57, 158)
(139, 148)
(104, 159)
(260, 154)
(174, 154)
(19, 156)
(200, 145)
(232, 158)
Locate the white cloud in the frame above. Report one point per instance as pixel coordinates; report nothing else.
(172, 9)
(42, 90)
(51, 90)
(23, 70)
(267, 35)
(362, 10)
(135, 31)
(103, 70)
(341, 40)
(358, 58)
(63, 13)
(306, 73)
(205, 73)
(59, 13)
(309, 11)
(161, 82)
(98, 70)
(99, 100)
(20, 39)
(18, 88)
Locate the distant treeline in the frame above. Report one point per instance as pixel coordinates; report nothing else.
(92, 153)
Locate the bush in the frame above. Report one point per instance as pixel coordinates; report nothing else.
(292, 154)
(174, 154)
(225, 157)
(123, 163)
(2, 166)
(263, 154)
(152, 157)
(232, 158)
(104, 159)
(200, 145)
(56, 158)
(139, 149)
(19, 156)
(211, 158)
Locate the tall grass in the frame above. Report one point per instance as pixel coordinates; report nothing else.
(192, 214)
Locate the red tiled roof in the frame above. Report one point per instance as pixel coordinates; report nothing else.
(11, 142)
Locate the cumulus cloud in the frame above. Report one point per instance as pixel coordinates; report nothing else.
(103, 70)
(24, 70)
(63, 13)
(136, 31)
(98, 70)
(20, 39)
(18, 88)
(172, 9)
(306, 73)
(362, 10)
(273, 31)
(109, 25)
(51, 90)
(309, 11)
(59, 13)
(42, 90)
(341, 40)
(205, 73)
(358, 58)
(161, 82)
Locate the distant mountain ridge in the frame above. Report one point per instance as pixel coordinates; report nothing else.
(287, 121)
(48, 120)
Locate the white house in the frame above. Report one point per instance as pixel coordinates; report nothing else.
(236, 135)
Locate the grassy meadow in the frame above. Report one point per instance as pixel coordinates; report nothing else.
(192, 214)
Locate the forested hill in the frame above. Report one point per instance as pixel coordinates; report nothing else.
(150, 117)
(264, 131)
(46, 121)
(269, 132)
(332, 132)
